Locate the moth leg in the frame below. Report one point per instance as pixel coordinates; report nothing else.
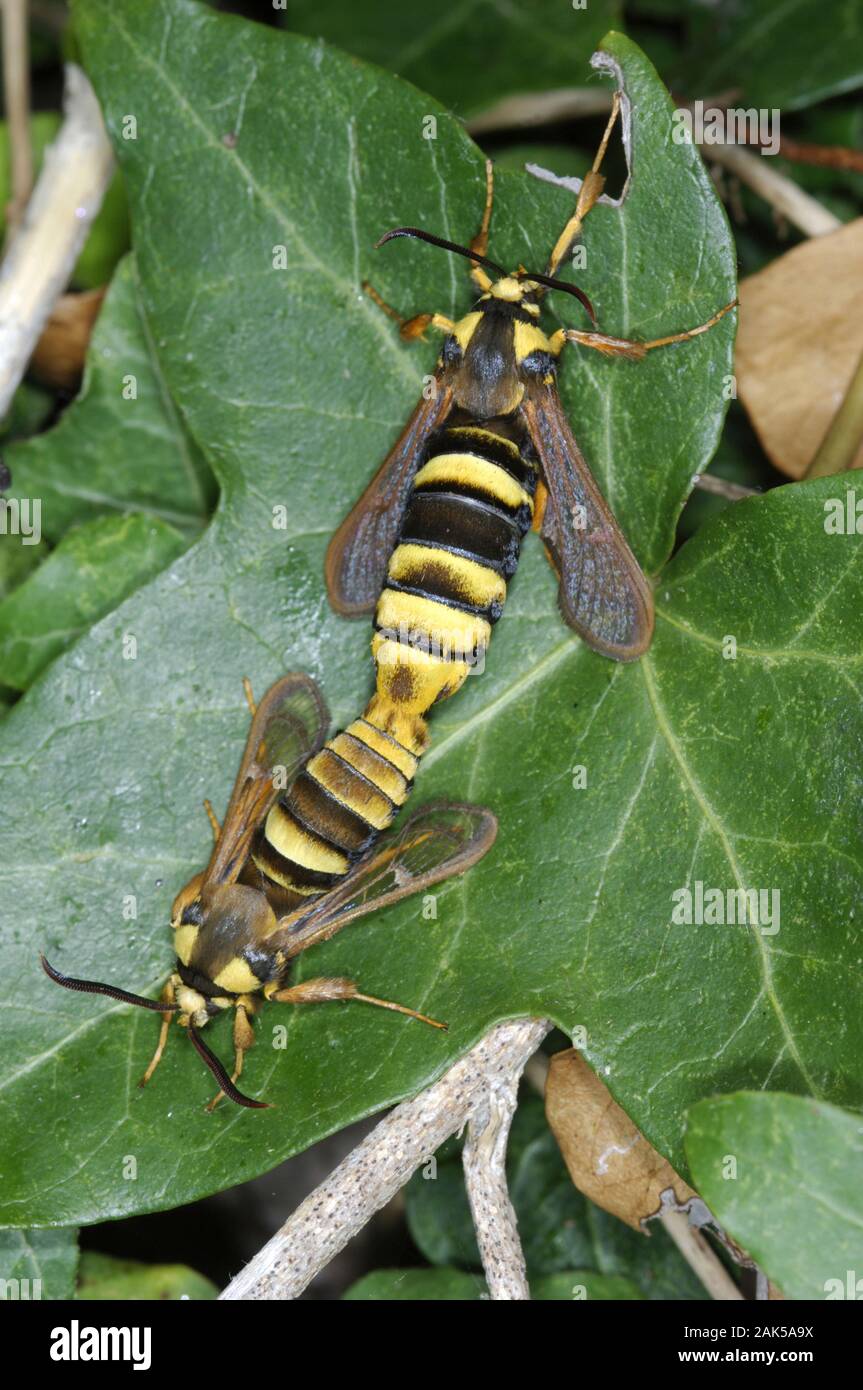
(167, 997)
(629, 347)
(253, 709)
(588, 196)
(479, 244)
(325, 989)
(244, 1037)
(213, 819)
(540, 501)
(250, 699)
(409, 328)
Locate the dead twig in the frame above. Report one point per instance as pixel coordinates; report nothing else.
(494, 1219)
(16, 84)
(782, 193)
(722, 487)
(823, 156)
(68, 195)
(381, 1165)
(542, 108)
(699, 1256)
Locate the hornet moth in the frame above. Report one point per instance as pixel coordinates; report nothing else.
(238, 928)
(488, 454)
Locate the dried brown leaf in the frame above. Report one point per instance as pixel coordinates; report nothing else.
(609, 1160)
(799, 342)
(58, 359)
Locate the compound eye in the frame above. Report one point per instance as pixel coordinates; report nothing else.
(193, 915)
(451, 354)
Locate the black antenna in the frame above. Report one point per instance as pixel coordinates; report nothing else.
(94, 987)
(225, 1082)
(420, 235)
(553, 284)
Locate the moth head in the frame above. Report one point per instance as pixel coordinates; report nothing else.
(523, 287)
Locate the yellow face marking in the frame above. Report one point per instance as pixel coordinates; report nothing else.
(237, 978)
(469, 581)
(528, 338)
(469, 470)
(190, 1001)
(286, 836)
(508, 288)
(184, 942)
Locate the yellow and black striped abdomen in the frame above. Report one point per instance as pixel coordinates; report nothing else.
(345, 796)
(471, 503)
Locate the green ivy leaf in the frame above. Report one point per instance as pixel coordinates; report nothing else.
(788, 56)
(793, 1198)
(415, 1285)
(18, 560)
(564, 160)
(114, 451)
(91, 571)
(38, 1264)
(559, 1228)
(29, 411)
(102, 1277)
(468, 56)
(454, 1285)
(573, 1285)
(293, 385)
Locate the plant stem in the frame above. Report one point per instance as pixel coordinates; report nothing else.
(698, 1254)
(16, 83)
(780, 192)
(494, 1219)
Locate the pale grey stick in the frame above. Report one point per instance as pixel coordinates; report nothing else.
(782, 193)
(722, 487)
(67, 196)
(697, 1252)
(541, 108)
(494, 1218)
(16, 84)
(380, 1166)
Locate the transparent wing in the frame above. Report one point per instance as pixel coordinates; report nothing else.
(440, 840)
(603, 592)
(359, 552)
(290, 724)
